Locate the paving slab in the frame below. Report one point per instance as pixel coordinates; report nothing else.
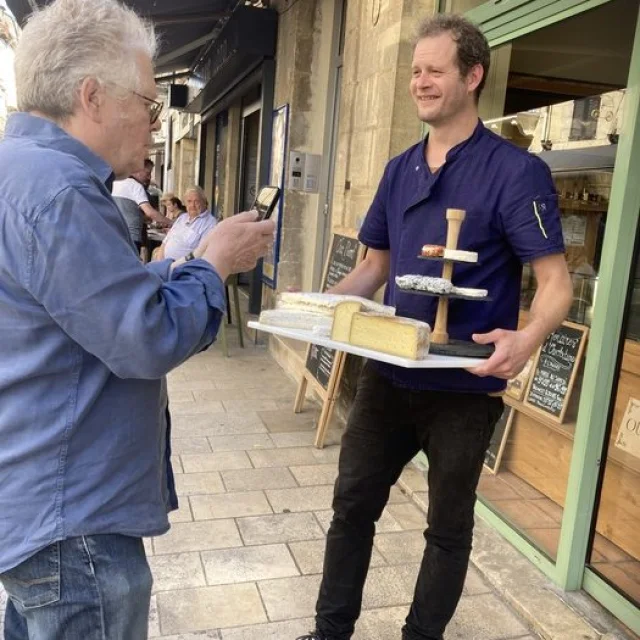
(282, 527)
(248, 564)
(198, 536)
(190, 484)
(209, 608)
(247, 479)
(229, 505)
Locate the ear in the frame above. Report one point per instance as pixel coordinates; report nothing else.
(474, 77)
(91, 97)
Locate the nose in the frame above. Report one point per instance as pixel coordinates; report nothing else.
(156, 126)
(423, 80)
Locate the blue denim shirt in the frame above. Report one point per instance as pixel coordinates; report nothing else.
(512, 218)
(88, 334)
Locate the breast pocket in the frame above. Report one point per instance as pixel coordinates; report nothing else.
(36, 581)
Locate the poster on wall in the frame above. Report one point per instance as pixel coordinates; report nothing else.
(276, 178)
(628, 438)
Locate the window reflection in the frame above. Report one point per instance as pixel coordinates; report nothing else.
(559, 92)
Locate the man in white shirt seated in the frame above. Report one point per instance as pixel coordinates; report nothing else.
(133, 201)
(187, 231)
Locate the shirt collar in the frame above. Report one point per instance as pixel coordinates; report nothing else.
(49, 134)
(206, 212)
(461, 148)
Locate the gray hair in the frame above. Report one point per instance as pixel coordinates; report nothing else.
(199, 191)
(70, 40)
(472, 45)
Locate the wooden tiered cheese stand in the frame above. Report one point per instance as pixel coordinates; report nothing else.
(441, 344)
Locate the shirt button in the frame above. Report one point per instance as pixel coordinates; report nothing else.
(417, 167)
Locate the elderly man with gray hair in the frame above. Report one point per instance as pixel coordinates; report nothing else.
(83, 462)
(190, 227)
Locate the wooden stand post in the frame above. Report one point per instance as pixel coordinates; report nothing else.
(455, 218)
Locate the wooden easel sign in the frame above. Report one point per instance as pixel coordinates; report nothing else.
(555, 369)
(323, 367)
(493, 455)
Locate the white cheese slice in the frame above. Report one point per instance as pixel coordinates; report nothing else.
(316, 322)
(461, 256)
(470, 292)
(325, 303)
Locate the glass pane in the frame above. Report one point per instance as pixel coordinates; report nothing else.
(558, 92)
(615, 548)
(462, 6)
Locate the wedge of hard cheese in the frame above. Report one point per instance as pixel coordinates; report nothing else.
(397, 336)
(342, 317)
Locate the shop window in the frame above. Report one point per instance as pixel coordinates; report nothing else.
(560, 92)
(615, 544)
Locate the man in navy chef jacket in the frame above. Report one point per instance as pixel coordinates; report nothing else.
(512, 218)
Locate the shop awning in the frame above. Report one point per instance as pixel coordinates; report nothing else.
(185, 28)
(575, 160)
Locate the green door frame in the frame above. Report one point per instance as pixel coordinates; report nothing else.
(502, 24)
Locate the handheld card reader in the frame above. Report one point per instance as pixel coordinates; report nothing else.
(266, 201)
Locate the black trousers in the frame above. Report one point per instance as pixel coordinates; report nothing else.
(386, 428)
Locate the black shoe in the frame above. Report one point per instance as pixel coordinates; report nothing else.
(314, 635)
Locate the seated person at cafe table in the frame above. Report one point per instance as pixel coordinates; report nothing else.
(187, 231)
(133, 201)
(173, 207)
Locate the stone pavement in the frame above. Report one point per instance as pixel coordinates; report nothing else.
(244, 555)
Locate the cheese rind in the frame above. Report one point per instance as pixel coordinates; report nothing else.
(404, 337)
(342, 318)
(433, 251)
(325, 303)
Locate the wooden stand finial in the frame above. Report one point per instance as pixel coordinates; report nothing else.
(455, 218)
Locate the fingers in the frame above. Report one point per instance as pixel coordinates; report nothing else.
(245, 216)
(266, 227)
(488, 338)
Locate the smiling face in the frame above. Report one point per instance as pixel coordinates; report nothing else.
(438, 89)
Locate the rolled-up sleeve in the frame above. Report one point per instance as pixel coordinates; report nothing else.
(140, 322)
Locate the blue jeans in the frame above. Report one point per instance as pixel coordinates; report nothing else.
(87, 588)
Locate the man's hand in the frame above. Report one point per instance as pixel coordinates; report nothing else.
(513, 349)
(237, 243)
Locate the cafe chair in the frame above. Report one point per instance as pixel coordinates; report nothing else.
(232, 281)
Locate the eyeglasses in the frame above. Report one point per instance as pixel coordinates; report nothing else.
(155, 107)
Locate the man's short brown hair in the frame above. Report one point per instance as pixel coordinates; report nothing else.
(473, 48)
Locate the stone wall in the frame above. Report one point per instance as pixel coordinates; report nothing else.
(378, 118)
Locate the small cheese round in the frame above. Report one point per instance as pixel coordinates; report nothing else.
(432, 251)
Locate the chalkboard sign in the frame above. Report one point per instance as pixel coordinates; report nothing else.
(493, 455)
(323, 367)
(555, 369)
(343, 257)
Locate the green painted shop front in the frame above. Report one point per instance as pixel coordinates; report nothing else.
(565, 84)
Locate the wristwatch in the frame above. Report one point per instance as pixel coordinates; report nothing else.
(189, 256)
